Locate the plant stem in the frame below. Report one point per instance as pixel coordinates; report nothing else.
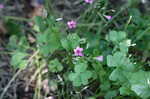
(17, 18)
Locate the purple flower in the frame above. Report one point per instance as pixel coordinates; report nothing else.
(1, 6)
(89, 1)
(108, 17)
(99, 58)
(72, 24)
(78, 51)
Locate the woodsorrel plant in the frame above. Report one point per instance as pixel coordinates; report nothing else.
(85, 56)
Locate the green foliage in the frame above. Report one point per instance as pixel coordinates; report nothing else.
(70, 42)
(13, 28)
(49, 41)
(81, 75)
(111, 94)
(120, 60)
(55, 66)
(20, 44)
(140, 83)
(125, 89)
(125, 74)
(19, 60)
(116, 37)
(48, 37)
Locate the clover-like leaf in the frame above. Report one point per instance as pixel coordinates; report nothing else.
(20, 44)
(115, 60)
(140, 84)
(117, 75)
(55, 66)
(74, 40)
(85, 76)
(115, 36)
(75, 78)
(120, 60)
(49, 41)
(81, 75)
(110, 94)
(80, 67)
(124, 90)
(65, 44)
(18, 60)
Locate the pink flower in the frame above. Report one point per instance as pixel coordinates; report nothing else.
(72, 24)
(1, 6)
(99, 58)
(78, 51)
(89, 1)
(108, 17)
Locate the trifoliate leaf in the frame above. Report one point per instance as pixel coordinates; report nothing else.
(49, 41)
(75, 78)
(117, 75)
(85, 76)
(18, 60)
(81, 75)
(111, 62)
(120, 60)
(65, 44)
(105, 86)
(125, 90)
(80, 67)
(73, 40)
(140, 84)
(115, 60)
(55, 66)
(110, 94)
(116, 37)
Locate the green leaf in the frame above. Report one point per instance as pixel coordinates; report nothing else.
(115, 36)
(55, 66)
(70, 42)
(111, 61)
(125, 89)
(110, 94)
(117, 75)
(73, 40)
(85, 76)
(140, 84)
(18, 60)
(115, 60)
(13, 28)
(80, 67)
(12, 44)
(65, 44)
(124, 45)
(49, 41)
(18, 44)
(75, 78)
(40, 25)
(105, 86)
(120, 60)
(81, 74)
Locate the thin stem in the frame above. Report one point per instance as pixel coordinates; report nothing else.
(128, 22)
(141, 35)
(17, 18)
